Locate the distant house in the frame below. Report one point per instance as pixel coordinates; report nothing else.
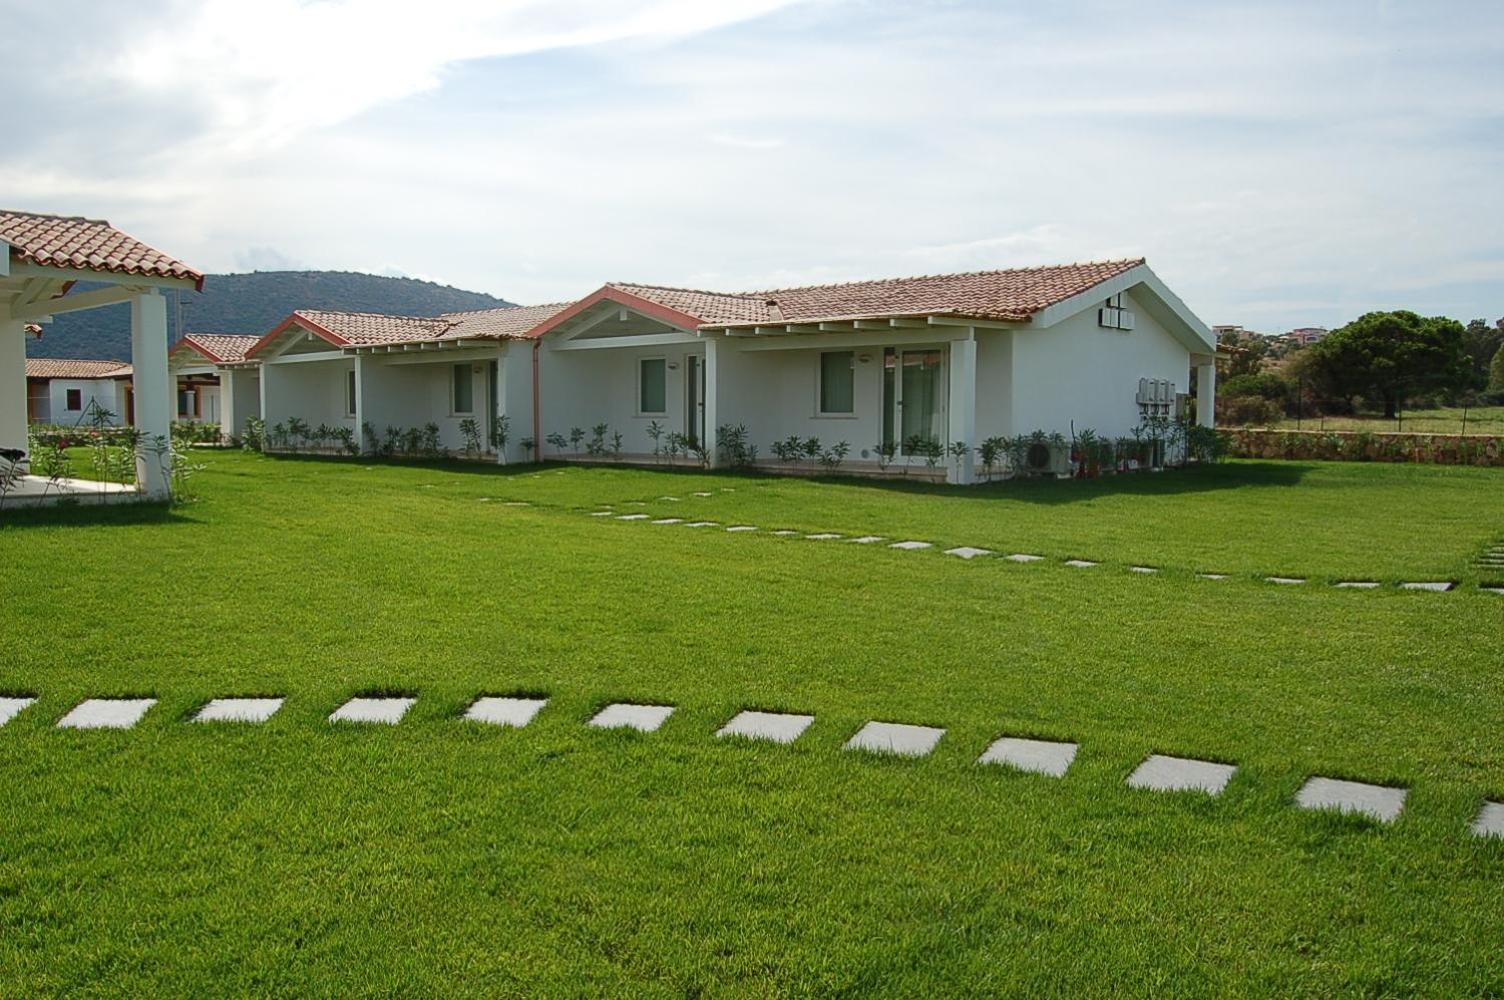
(895, 368)
(1305, 336)
(216, 384)
(71, 392)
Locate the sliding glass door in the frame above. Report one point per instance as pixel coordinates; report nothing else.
(914, 398)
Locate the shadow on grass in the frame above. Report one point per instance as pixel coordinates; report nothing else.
(85, 515)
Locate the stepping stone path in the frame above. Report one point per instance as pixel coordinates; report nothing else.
(1035, 756)
(1142, 569)
(385, 711)
(1490, 821)
(968, 552)
(12, 707)
(776, 726)
(624, 715)
(1024, 557)
(1287, 581)
(239, 710)
(910, 545)
(1358, 585)
(1435, 586)
(701, 524)
(632, 517)
(1160, 773)
(106, 713)
(1080, 563)
(669, 520)
(742, 527)
(867, 539)
(823, 536)
(516, 712)
(1376, 801)
(895, 738)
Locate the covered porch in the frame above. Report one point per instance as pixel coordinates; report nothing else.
(215, 383)
(45, 256)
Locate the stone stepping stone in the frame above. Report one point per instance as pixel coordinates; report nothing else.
(670, 499)
(895, 738)
(516, 712)
(967, 552)
(1212, 576)
(1379, 802)
(12, 707)
(239, 710)
(701, 494)
(632, 517)
(779, 727)
(106, 713)
(624, 715)
(1080, 563)
(1160, 773)
(910, 546)
(669, 520)
(1142, 569)
(485, 499)
(636, 503)
(1288, 581)
(1035, 756)
(602, 513)
(1493, 590)
(823, 536)
(516, 503)
(701, 524)
(384, 711)
(1024, 557)
(1490, 821)
(728, 489)
(1434, 586)
(785, 532)
(742, 527)
(1358, 585)
(866, 539)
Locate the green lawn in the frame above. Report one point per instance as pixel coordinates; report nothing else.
(1481, 420)
(441, 857)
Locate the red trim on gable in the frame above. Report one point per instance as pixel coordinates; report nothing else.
(610, 293)
(296, 319)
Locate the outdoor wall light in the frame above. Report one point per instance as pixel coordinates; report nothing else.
(673, 366)
(864, 358)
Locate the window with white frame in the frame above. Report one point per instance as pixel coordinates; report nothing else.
(837, 383)
(350, 393)
(652, 386)
(464, 390)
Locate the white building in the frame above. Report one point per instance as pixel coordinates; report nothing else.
(215, 382)
(888, 367)
(74, 392)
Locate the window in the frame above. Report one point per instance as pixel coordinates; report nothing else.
(652, 386)
(837, 382)
(350, 393)
(75, 399)
(464, 390)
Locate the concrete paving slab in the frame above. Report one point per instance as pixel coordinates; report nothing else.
(106, 713)
(632, 517)
(742, 527)
(516, 503)
(1212, 576)
(1493, 590)
(895, 738)
(12, 707)
(967, 552)
(516, 712)
(1357, 585)
(780, 727)
(866, 539)
(822, 536)
(382, 711)
(1142, 569)
(1378, 802)
(1024, 557)
(670, 499)
(785, 532)
(1287, 581)
(910, 545)
(1036, 756)
(701, 494)
(701, 524)
(239, 710)
(669, 520)
(1435, 586)
(602, 513)
(1080, 563)
(624, 715)
(1161, 773)
(1490, 821)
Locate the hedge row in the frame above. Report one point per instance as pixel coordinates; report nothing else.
(1366, 446)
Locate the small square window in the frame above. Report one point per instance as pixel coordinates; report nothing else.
(75, 399)
(464, 390)
(837, 382)
(652, 386)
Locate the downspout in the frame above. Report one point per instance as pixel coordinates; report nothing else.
(537, 419)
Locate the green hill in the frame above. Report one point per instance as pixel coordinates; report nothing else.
(253, 303)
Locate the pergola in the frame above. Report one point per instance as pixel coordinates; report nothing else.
(45, 256)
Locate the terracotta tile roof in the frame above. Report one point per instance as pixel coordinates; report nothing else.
(503, 323)
(355, 329)
(73, 368)
(89, 244)
(222, 348)
(710, 307)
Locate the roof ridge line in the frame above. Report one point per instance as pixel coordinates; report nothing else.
(953, 274)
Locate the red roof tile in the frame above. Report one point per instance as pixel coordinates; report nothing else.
(356, 329)
(710, 307)
(88, 244)
(74, 368)
(501, 324)
(221, 348)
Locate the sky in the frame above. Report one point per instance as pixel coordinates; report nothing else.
(1279, 164)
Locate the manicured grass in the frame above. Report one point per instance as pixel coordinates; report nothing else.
(1481, 420)
(440, 856)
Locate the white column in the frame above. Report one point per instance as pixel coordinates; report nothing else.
(1206, 395)
(963, 407)
(154, 398)
(227, 426)
(12, 382)
(360, 406)
(499, 404)
(712, 378)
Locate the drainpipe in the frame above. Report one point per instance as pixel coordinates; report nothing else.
(537, 419)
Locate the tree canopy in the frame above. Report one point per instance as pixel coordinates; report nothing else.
(1391, 355)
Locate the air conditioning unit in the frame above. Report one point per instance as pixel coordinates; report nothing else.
(1045, 459)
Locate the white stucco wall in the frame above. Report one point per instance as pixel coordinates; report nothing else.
(313, 391)
(582, 388)
(1078, 371)
(403, 395)
(107, 393)
(775, 394)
